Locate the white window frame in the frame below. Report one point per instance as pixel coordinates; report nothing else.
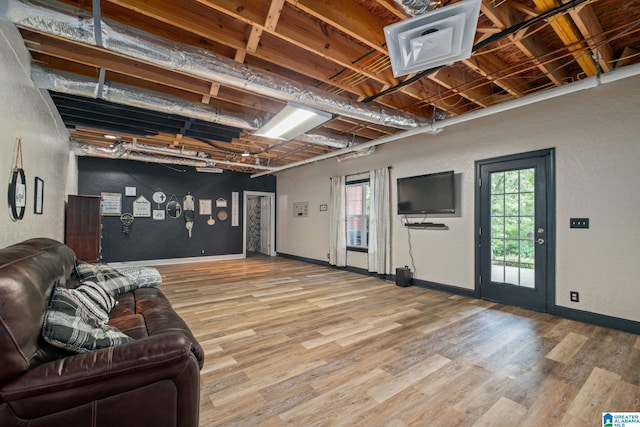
(364, 225)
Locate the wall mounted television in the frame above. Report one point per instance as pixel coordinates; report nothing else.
(427, 194)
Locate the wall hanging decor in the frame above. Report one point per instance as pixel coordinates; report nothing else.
(205, 208)
(17, 186)
(158, 215)
(174, 210)
(111, 204)
(141, 207)
(189, 205)
(38, 200)
(126, 219)
(159, 197)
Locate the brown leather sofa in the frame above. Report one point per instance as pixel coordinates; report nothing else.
(152, 381)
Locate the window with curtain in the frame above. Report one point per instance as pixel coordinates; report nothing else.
(358, 204)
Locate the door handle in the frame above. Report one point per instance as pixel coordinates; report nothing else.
(539, 240)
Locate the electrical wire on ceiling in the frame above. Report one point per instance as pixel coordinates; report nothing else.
(504, 33)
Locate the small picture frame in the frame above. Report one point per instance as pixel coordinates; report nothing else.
(158, 214)
(323, 207)
(39, 196)
(205, 207)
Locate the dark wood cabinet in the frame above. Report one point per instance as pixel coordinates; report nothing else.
(83, 227)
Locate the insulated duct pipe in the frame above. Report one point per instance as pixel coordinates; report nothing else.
(120, 152)
(77, 84)
(150, 154)
(416, 7)
(76, 24)
(435, 128)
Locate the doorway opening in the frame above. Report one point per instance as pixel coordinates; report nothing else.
(259, 223)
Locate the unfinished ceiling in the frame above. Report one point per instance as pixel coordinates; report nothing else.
(196, 78)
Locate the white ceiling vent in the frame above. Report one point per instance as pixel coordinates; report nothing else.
(438, 37)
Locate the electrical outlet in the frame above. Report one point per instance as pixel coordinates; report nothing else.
(578, 222)
(574, 296)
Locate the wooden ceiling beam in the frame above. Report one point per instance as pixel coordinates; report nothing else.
(568, 33)
(310, 65)
(503, 16)
(587, 22)
(348, 17)
(296, 28)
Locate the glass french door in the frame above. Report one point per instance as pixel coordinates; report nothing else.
(514, 231)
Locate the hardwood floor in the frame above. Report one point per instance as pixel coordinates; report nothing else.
(292, 343)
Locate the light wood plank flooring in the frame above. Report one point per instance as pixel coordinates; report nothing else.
(292, 343)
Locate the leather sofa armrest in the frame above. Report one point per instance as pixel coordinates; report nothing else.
(141, 358)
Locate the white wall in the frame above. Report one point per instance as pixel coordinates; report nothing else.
(29, 113)
(595, 134)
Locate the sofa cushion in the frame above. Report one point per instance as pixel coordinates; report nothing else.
(112, 280)
(70, 325)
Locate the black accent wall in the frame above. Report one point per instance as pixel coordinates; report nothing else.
(152, 239)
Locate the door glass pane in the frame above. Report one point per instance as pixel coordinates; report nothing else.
(497, 226)
(497, 205)
(513, 227)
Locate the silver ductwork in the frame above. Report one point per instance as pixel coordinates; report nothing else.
(76, 84)
(416, 7)
(79, 85)
(152, 154)
(77, 25)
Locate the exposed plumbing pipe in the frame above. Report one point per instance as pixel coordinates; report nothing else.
(79, 85)
(435, 128)
(77, 25)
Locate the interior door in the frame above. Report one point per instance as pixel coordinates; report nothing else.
(515, 232)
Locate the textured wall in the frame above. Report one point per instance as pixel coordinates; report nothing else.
(28, 113)
(595, 134)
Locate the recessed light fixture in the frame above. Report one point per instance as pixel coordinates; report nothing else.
(293, 120)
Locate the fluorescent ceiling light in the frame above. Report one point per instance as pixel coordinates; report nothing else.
(439, 37)
(291, 121)
(209, 169)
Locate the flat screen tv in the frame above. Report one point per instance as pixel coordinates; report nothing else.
(427, 194)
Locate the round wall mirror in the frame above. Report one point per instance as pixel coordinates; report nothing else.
(174, 210)
(17, 194)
